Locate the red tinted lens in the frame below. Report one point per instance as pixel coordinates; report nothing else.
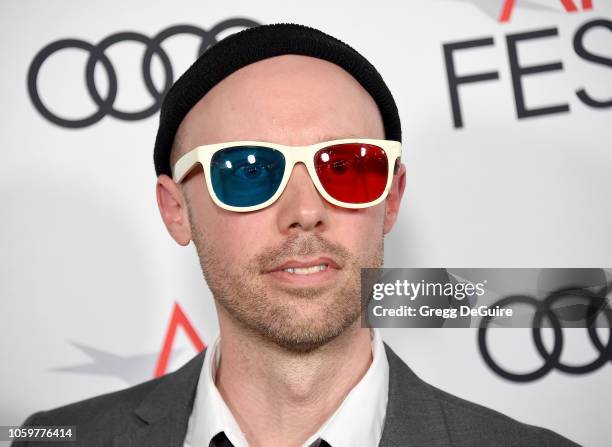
(352, 172)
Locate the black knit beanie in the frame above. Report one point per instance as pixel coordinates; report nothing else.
(252, 45)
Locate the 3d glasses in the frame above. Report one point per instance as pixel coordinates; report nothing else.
(247, 176)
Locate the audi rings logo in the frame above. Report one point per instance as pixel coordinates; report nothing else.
(105, 103)
(596, 306)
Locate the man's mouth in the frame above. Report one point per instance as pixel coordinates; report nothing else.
(306, 266)
(305, 271)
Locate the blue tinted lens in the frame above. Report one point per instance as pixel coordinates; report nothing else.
(246, 175)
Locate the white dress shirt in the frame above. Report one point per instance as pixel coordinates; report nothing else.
(358, 420)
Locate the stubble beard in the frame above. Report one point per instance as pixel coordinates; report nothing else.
(299, 320)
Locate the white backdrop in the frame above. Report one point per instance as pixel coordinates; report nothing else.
(89, 277)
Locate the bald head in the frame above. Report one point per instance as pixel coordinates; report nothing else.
(288, 99)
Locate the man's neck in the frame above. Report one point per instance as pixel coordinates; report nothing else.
(280, 398)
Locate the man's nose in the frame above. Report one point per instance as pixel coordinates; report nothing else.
(301, 206)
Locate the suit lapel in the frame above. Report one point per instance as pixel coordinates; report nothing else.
(162, 417)
(414, 416)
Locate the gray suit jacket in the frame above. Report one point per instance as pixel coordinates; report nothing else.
(155, 414)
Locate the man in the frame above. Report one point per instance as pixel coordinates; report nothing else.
(278, 156)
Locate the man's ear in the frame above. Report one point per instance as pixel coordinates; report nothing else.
(173, 209)
(394, 198)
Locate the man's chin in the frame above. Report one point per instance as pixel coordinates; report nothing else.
(298, 325)
(304, 345)
(305, 338)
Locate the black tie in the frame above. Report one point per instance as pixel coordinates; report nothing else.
(220, 440)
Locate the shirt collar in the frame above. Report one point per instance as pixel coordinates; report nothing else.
(210, 414)
(359, 419)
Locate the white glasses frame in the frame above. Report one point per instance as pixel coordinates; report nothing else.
(293, 154)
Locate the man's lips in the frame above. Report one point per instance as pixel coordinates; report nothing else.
(305, 272)
(304, 264)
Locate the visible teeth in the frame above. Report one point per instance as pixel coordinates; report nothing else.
(306, 270)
